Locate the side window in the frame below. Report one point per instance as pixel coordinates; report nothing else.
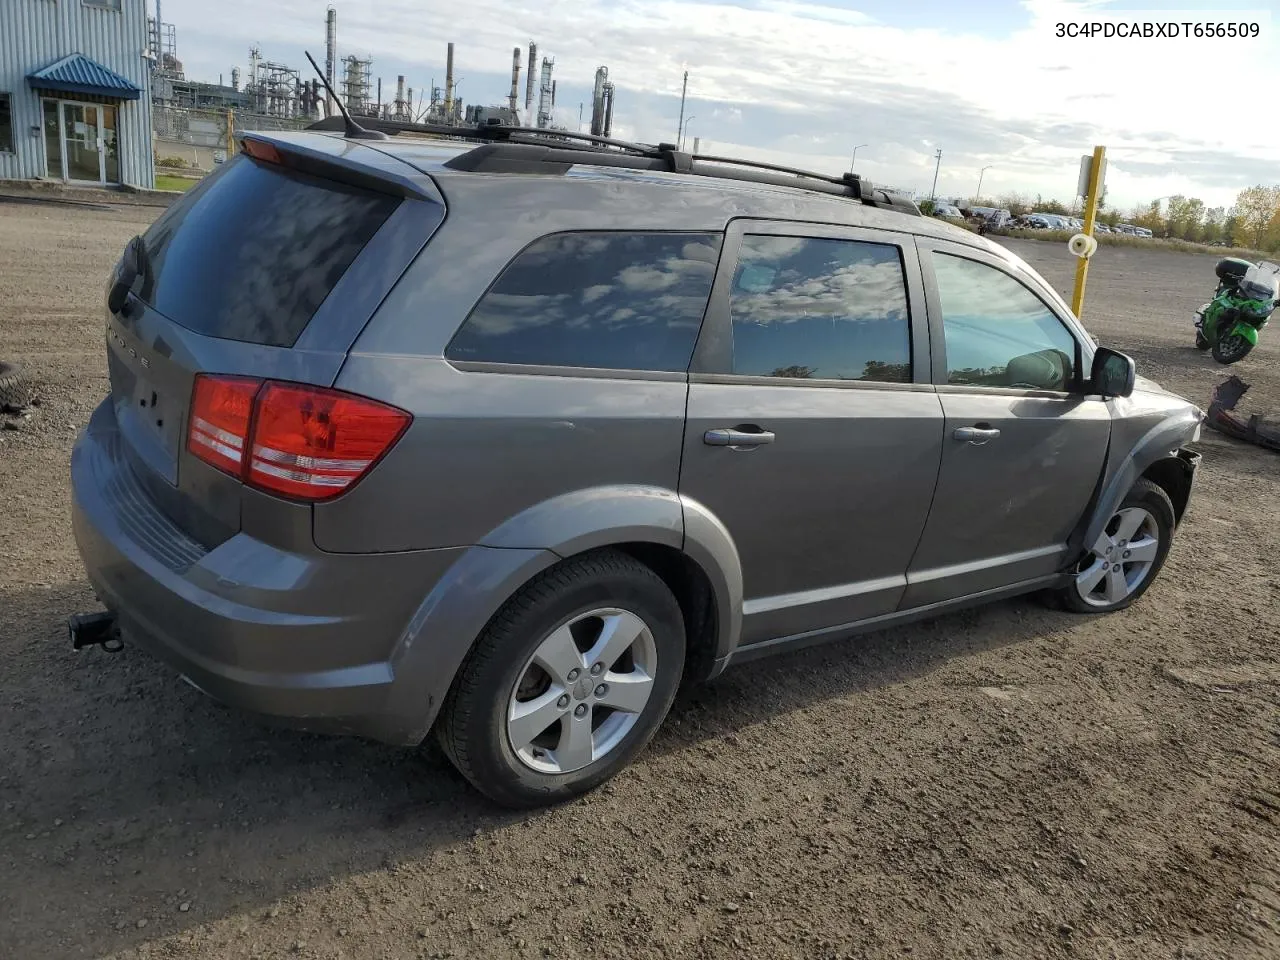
(622, 301)
(820, 309)
(999, 333)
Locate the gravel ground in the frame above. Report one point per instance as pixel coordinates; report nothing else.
(1006, 782)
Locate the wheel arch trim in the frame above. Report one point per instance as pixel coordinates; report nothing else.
(1163, 441)
(448, 621)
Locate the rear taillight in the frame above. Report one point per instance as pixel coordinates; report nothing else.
(218, 431)
(316, 443)
(304, 442)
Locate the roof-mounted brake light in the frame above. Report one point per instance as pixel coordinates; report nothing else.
(261, 150)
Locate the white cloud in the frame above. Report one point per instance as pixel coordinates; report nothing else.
(802, 82)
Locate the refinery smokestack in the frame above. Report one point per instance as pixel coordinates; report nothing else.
(399, 108)
(448, 83)
(330, 58)
(528, 84)
(515, 79)
(597, 102)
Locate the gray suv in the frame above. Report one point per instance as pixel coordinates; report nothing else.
(504, 438)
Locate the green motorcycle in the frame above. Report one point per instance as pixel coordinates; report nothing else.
(1246, 296)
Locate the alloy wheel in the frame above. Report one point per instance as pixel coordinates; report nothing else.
(1121, 559)
(582, 691)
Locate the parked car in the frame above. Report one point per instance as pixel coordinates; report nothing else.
(1100, 227)
(1054, 221)
(947, 210)
(514, 478)
(994, 217)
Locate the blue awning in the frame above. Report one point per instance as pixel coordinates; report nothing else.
(76, 73)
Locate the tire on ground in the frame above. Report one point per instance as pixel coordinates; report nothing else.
(1223, 356)
(1156, 501)
(472, 727)
(15, 393)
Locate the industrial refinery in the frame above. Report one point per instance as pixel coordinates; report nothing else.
(270, 88)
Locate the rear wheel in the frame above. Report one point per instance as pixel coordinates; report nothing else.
(568, 682)
(1231, 348)
(1127, 556)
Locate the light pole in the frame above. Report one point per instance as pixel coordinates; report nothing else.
(934, 192)
(978, 196)
(685, 135)
(684, 90)
(855, 156)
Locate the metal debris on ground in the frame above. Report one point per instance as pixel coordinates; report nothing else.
(1223, 418)
(15, 392)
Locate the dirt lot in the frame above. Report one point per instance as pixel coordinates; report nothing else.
(1007, 781)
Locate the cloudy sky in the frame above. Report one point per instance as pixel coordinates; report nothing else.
(804, 82)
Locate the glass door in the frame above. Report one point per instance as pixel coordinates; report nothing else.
(82, 134)
(53, 165)
(110, 145)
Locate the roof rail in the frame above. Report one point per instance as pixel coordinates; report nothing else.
(507, 149)
(499, 132)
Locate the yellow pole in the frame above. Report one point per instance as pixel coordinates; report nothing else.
(1090, 215)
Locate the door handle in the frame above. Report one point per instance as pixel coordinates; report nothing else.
(733, 437)
(976, 435)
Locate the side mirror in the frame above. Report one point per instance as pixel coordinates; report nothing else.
(1113, 374)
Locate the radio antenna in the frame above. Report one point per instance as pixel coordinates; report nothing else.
(353, 130)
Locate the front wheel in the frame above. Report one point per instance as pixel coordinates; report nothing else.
(1232, 347)
(567, 683)
(1127, 556)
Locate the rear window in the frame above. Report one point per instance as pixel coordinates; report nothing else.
(618, 301)
(251, 253)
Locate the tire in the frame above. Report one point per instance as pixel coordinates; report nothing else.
(1231, 348)
(14, 393)
(1152, 499)
(473, 729)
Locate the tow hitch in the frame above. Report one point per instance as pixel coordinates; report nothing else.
(94, 629)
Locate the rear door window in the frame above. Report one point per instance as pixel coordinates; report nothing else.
(819, 309)
(251, 253)
(617, 301)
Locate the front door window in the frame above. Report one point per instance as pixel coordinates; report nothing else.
(999, 333)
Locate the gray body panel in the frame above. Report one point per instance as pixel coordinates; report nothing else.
(295, 633)
(355, 614)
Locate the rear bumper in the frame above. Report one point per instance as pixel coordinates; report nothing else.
(311, 637)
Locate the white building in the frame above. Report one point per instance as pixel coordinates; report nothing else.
(75, 92)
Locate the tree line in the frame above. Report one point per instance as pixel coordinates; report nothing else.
(1253, 221)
